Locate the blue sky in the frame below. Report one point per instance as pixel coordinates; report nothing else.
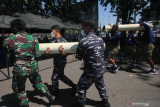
(104, 16)
(107, 18)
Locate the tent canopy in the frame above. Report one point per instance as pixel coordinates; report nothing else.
(36, 22)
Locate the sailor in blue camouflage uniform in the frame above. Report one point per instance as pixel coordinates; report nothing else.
(91, 50)
(59, 62)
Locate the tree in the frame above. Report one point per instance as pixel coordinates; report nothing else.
(145, 13)
(9, 7)
(64, 9)
(125, 9)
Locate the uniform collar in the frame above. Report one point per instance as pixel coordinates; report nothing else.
(90, 33)
(21, 32)
(58, 38)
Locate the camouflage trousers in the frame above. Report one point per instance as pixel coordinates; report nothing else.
(58, 74)
(85, 82)
(18, 86)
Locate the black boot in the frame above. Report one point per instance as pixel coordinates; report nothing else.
(104, 103)
(49, 97)
(82, 104)
(78, 104)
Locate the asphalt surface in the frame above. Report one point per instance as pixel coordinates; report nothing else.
(126, 88)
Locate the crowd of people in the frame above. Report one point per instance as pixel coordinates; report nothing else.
(25, 51)
(145, 40)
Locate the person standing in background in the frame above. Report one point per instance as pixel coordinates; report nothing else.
(115, 47)
(147, 40)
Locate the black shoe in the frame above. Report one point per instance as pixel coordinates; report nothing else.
(49, 97)
(107, 105)
(79, 104)
(104, 103)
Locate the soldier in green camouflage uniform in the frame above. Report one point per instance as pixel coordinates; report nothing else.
(25, 51)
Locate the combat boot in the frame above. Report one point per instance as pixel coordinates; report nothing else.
(82, 104)
(49, 97)
(104, 103)
(79, 104)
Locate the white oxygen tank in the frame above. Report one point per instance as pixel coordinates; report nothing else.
(69, 47)
(127, 27)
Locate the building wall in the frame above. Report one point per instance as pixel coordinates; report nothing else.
(87, 13)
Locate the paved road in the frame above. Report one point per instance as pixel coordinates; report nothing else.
(127, 88)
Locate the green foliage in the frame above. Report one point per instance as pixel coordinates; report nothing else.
(64, 9)
(59, 8)
(8, 7)
(125, 9)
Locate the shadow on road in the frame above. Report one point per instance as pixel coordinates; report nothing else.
(139, 71)
(155, 84)
(66, 99)
(9, 100)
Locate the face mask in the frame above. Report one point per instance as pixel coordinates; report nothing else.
(82, 32)
(52, 35)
